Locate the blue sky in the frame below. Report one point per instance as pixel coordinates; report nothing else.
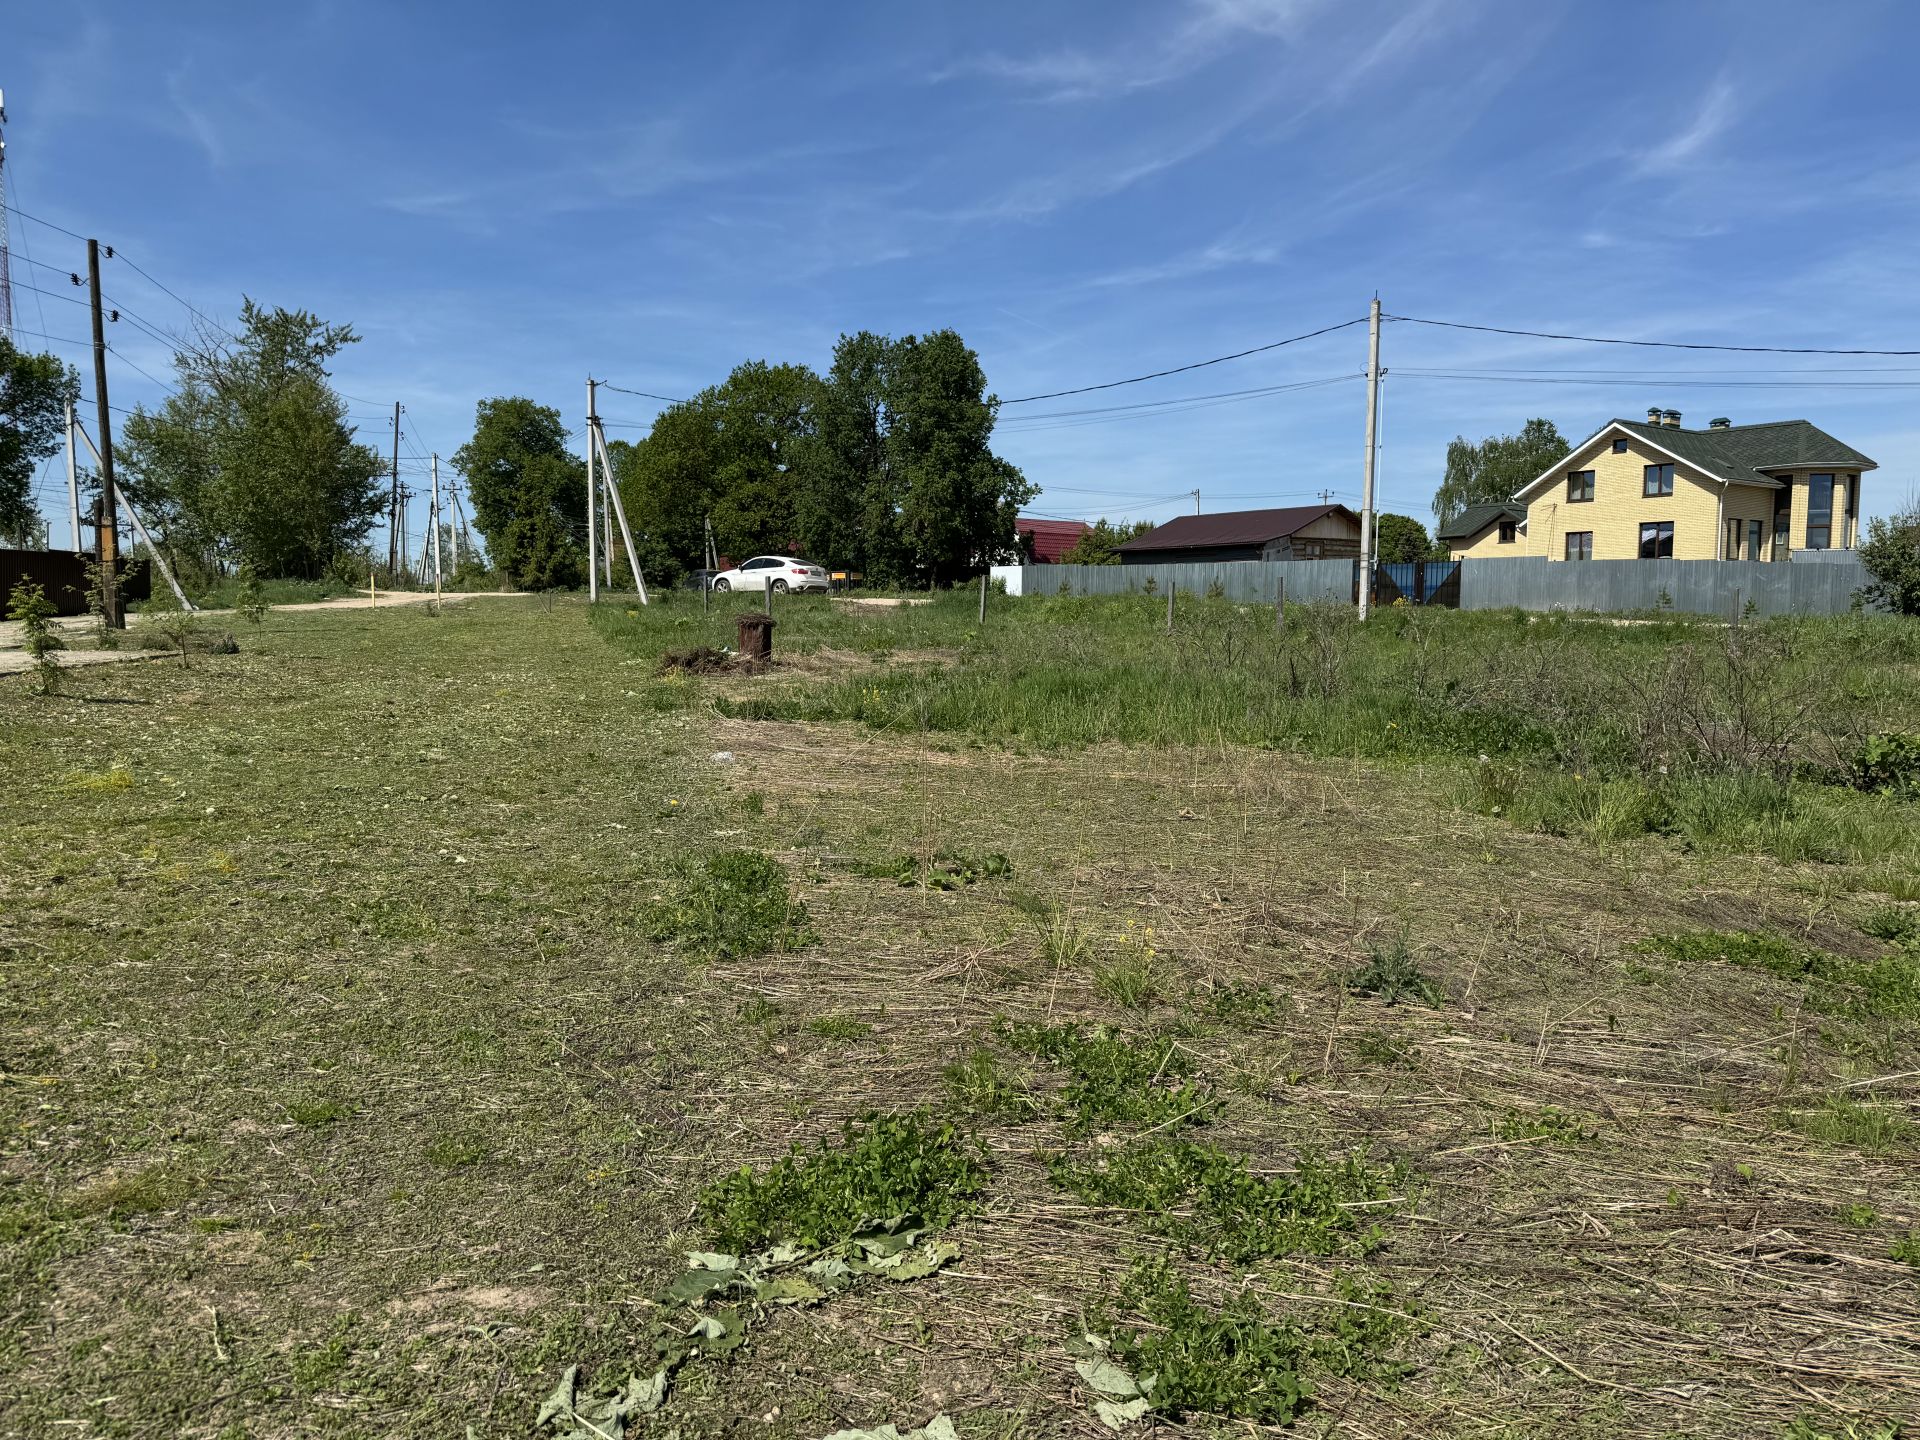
(503, 201)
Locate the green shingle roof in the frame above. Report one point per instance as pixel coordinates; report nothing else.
(1475, 518)
(1746, 453)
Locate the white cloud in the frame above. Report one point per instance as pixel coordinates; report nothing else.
(1717, 110)
(1207, 30)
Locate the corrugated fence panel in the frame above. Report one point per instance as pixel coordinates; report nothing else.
(1700, 587)
(1248, 582)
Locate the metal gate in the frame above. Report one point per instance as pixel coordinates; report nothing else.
(1417, 582)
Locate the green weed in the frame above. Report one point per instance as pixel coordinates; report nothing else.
(1823, 1427)
(1858, 1216)
(883, 1166)
(1377, 1047)
(1244, 1002)
(946, 870)
(733, 904)
(312, 1114)
(980, 1086)
(1549, 1122)
(839, 1027)
(1747, 949)
(1906, 1249)
(1842, 1120)
(450, 1150)
(1115, 1080)
(1128, 980)
(1204, 1197)
(1898, 923)
(1391, 975)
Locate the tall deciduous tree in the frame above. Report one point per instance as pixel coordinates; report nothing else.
(253, 462)
(1400, 538)
(1489, 473)
(34, 393)
(1891, 553)
(529, 492)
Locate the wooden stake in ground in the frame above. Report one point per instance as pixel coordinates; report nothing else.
(1280, 607)
(1171, 587)
(983, 597)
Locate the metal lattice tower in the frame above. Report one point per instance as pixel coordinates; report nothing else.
(6, 279)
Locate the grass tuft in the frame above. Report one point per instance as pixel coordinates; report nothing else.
(733, 904)
(1391, 975)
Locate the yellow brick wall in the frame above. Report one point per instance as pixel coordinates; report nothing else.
(1486, 546)
(1618, 507)
(1797, 533)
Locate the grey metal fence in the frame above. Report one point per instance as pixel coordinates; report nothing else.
(1706, 587)
(1245, 581)
(1703, 587)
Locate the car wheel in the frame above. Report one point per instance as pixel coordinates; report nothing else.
(779, 587)
(722, 585)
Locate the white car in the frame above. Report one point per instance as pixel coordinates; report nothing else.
(778, 573)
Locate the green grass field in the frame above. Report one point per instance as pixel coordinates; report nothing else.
(390, 1008)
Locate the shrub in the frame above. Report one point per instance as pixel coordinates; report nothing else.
(1891, 554)
(1888, 764)
(29, 605)
(885, 1166)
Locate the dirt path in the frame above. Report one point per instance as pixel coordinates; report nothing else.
(77, 631)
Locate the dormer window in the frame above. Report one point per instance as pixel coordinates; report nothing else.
(1508, 529)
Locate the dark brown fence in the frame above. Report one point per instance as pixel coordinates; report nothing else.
(63, 575)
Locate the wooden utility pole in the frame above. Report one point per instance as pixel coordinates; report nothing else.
(593, 559)
(393, 501)
(1366, 492)
(436, 525)
(109, 527)
(73, 483)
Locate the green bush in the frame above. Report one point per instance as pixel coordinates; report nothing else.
(884, 1166)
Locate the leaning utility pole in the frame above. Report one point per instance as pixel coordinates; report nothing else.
(393, 504)
(593, 573)
(73, 482)
(1366, 491)
(108, 529)
(436, 525)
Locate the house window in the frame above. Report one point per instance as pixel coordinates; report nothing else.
(1579, 487)
(1579, 545)
(1819, 512)
(1620, 447)
(1782, 515)
(1508, 528)
(1735, 529)
(1756, 538)
(1656, 540)
(1659, 480)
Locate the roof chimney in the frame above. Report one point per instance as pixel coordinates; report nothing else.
(1653, 414)
(1671, 418)
(1719, 422)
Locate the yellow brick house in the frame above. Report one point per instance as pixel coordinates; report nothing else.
(1653, 490)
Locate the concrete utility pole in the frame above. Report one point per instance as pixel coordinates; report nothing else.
(436, 525)
(73, 482)
(108, 531)
(593, 559)
(1366, 491)
(393, 502)
(1196, 500)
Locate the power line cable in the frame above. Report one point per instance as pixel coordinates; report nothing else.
(643, 394)
(1194, 400)
(1664, 384)
(1182, 369)
(1647, 344)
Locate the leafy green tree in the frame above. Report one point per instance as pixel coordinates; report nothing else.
(34, 393)
(1489, 473)
(529, 493)
(252, 461)
(1100, 543)
(1399, 538)
(729, 454)
(1891, 553)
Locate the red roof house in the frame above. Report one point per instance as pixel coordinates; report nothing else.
(1048, 540)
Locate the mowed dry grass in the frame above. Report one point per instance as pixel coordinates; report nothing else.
(348, 1093)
